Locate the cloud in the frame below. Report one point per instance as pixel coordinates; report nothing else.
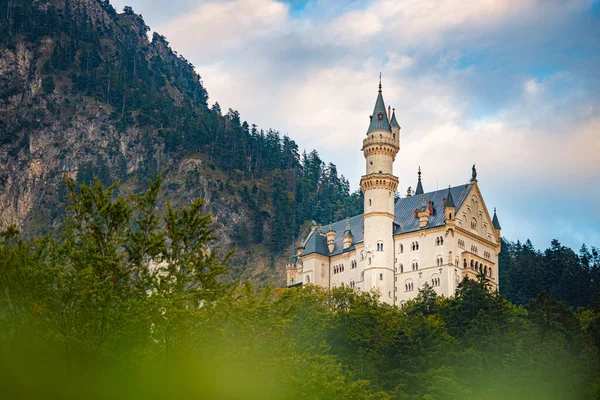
(217, 27)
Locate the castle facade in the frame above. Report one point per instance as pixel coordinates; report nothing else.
(398, 245)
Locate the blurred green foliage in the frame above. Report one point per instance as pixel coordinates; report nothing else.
(120, 302)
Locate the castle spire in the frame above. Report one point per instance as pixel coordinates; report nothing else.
(379, 119)
(449, 199)
(419, 185)
(495, 221)
(394, 123)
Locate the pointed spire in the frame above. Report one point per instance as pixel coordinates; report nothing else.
(419, 185)
(449, 199)
(379, 119)
(394, 123)
(495, 221)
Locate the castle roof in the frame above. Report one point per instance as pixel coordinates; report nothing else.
(379, 119)
(495, 221)
(394, 121)
(404, 221)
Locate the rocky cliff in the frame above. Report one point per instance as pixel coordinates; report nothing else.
(85, 93)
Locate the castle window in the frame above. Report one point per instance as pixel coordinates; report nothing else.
(352, 284)
(490, 271)
(292, 282)
(401, 248)
(369, 202)
(464, 263)
(307, 279)
(380, 277)
(362, 256)
(401, 268)
(369, 260)
(417, 245)
(379, 246)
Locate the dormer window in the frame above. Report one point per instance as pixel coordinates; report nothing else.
(380, 116)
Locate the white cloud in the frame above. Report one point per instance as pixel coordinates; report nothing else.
(216, 27)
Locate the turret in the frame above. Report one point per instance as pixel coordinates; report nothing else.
(449, 206)
(496, 224)
(395, 128)
(330, 238)
(348, 237)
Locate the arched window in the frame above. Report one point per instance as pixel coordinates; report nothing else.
(292, 282)
(472, 264)
(379, 246)
(417, 243)
(464, 263)
(490, 271)
(352, 284)
(307, 279)
(401, 268)
(441, 240)
(401, 248)
(380, 277)
(437, 241)
(369, 201)
(362, 256)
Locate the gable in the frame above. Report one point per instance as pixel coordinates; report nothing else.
(473, 216)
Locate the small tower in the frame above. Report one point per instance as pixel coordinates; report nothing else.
(496, 225)
(330, 238)
(379, 185)
(348, 237)
(419, 184)
(395, 128)
(449, 206)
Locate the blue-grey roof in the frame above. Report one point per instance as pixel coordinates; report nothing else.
(404, 221)
(394, 121)
(379, 119)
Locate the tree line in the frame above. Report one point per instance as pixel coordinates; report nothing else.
(121, 301)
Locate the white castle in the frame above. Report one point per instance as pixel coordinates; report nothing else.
(397, 246)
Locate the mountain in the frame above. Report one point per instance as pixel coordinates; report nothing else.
(85, 92)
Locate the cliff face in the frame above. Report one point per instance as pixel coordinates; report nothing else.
(84, 92)
(56, 115)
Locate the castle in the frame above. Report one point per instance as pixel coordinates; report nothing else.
(398, 245)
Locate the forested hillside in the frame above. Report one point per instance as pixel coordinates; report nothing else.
(84, 92)
(122, 302)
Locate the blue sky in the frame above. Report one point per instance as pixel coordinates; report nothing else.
(513, 86)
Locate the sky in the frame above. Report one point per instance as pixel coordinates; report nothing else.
(510, 85)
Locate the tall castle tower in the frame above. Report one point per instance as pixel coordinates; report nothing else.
(379, 185)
